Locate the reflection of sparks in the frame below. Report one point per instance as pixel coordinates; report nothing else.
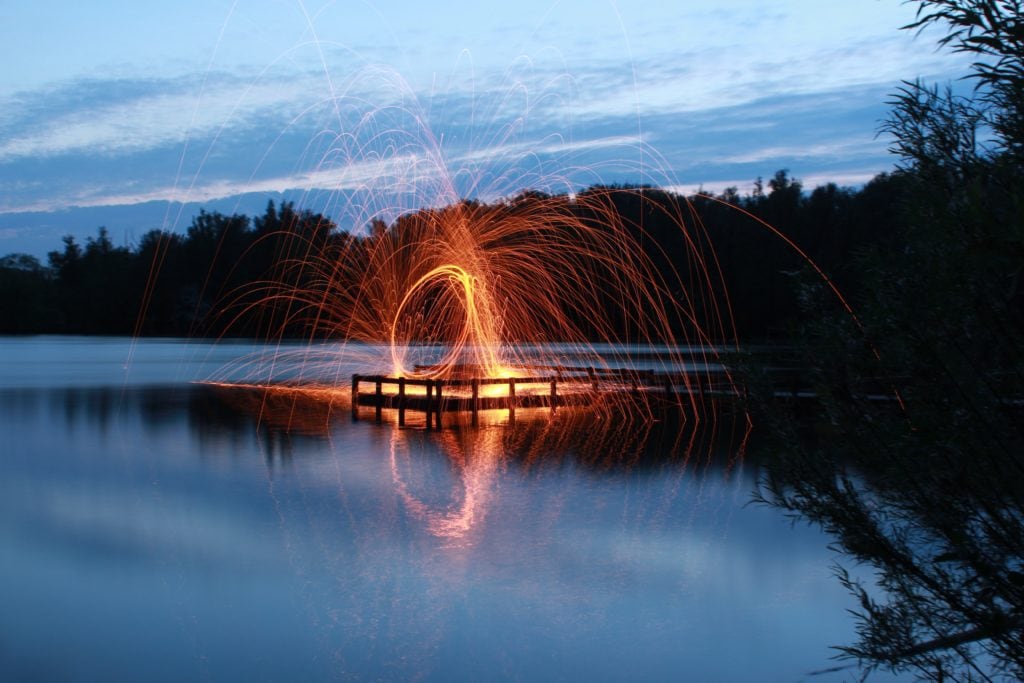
(455, 511)
(476, 462)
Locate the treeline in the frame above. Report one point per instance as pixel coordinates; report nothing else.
(167, 284)
(225, 275)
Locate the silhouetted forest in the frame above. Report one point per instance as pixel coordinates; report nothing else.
(214, 279)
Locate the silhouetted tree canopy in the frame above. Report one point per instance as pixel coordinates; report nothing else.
(225, 274)
(916, 465)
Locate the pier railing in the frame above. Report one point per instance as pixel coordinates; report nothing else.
(565, 386)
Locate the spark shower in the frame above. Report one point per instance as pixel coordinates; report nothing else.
(490, 261)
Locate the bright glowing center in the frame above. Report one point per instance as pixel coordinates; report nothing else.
(469, 328)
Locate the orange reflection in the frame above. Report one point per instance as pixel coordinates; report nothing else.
(476, 458)
(455, 512)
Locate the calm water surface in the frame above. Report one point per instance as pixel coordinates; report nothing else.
(152, 528)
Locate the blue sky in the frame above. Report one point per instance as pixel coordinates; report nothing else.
(365, 109)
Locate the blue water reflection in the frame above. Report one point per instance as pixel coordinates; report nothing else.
(155, 529)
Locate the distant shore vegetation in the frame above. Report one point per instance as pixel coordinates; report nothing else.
(209, 280)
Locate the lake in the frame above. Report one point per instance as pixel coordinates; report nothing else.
(155, 528)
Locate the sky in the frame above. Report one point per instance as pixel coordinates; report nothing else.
(133, 115)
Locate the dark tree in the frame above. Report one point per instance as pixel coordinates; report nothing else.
(916, 468)
(27, 297)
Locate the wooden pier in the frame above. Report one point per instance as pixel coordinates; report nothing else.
(566, 387)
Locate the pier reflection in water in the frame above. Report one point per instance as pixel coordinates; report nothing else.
(181, 531)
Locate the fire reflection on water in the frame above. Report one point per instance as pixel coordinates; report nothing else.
(366, 550)
(453, 507)
(476, 461)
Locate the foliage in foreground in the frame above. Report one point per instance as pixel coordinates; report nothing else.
(917, 465)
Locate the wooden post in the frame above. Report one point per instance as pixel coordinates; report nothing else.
(474, 404)
(593, 377)
(379, 400)
(437, 396)
(554, 394)
(401, 401)
(511, 399)
(355, 397)
(430, 408)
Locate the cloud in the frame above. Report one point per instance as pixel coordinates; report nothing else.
(120, 116)
(123, 117)
(668, 115)
(422, 174)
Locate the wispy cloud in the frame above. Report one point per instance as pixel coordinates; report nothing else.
(389, 176)
(669, 110)
(118, 117)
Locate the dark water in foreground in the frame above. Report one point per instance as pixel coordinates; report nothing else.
(154, 529)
